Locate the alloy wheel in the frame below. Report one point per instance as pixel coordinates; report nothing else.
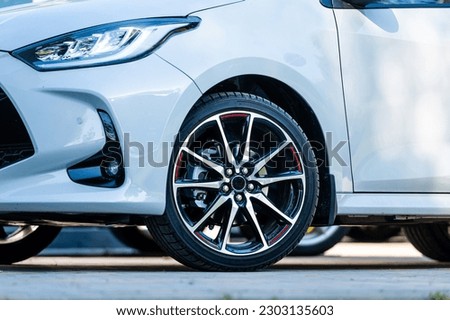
(239, 183)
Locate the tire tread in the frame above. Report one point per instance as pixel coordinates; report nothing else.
(432, 240)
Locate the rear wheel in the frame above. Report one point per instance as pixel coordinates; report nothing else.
(373, 233)
(432, 240)
(242, 187)
(18, 243)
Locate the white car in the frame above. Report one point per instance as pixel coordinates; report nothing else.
(228, 127)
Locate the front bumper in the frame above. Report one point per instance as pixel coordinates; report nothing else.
(147, 100)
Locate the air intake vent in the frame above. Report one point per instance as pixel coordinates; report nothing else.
(15, 143)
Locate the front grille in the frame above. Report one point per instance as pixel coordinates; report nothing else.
(15, 142)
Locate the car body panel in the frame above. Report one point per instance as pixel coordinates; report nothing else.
(59, 109)
(398, 206)
(396, 70)
(309, 65)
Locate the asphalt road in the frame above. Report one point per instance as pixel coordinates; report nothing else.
(348, 271)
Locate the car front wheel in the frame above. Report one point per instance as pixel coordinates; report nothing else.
(242, 187)
(432, 239)
(18, 243)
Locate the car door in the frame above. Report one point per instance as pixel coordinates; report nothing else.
(395, 58)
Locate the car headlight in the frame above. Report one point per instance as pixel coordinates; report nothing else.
(103, 45)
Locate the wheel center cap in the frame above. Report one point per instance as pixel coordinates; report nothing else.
(238, 183)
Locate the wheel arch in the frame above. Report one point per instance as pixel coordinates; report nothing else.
(297, 107)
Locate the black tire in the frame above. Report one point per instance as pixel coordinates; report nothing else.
(319, 240)
(432, 240)
(20, 243)
(373, 233)
(137, 238)
(271, 194)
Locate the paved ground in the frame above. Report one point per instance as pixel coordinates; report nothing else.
(348, 271)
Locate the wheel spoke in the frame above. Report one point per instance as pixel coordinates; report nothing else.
(264, 200)
(280, 178)
(220, 201)
(251, 212)
(218, 168)
(227, 233)
(198, 184)
(265, 160)
(246, 155)
(229, 153)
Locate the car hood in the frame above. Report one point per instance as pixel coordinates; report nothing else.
(21, 25)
